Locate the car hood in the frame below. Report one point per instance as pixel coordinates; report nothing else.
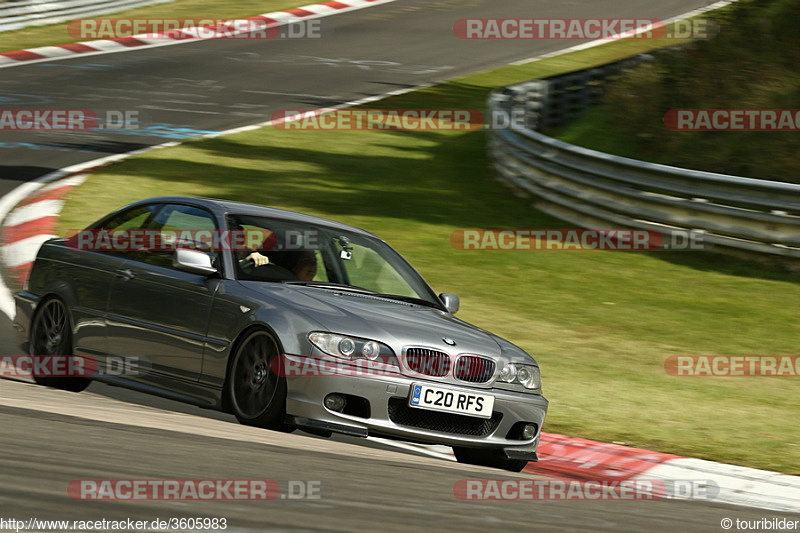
(395, 323)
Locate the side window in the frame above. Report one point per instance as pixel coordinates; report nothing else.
(133, 218)
(180, 217)
(176, 223)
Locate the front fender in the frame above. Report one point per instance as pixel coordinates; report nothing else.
(236, 309)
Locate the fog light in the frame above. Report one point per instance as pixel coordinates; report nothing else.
(335, 402)
(529, 431)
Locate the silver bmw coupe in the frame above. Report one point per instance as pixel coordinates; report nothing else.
(285, 320)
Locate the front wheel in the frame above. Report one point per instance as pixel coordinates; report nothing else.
(490, 458)
(51, 335)
(257, 394)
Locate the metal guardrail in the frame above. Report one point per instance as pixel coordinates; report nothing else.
(598, 190)
(21, 14)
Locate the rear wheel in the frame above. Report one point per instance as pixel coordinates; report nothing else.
(490, 458)
(257, 394)
(51, 335)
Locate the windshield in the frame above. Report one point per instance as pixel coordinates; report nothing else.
(300, 253)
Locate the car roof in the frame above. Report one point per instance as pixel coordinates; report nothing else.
(227, 207)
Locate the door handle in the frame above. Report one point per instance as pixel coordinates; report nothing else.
(125, 274)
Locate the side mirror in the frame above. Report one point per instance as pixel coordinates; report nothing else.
(193, 261)
(450, 301)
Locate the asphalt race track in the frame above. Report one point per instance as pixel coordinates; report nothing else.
(361, 488)
(50, 437)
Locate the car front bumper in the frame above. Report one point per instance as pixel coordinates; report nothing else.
(390, 416)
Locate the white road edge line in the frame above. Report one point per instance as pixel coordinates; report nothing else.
(598, 42)
(17, 253)
(33, 211)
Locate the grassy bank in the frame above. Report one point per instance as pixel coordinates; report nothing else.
(601, 324)
(751, 64)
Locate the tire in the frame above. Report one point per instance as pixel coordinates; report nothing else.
(490, 458)
(256, 394)
(51, 334)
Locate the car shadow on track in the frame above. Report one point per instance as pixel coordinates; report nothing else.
(148, 400)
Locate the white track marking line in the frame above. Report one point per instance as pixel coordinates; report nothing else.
(738, 485)
(24, 251)
(54, 51)
(34, 211)
(74, 181)
(598, 42)
(292, 94)
(159, 108)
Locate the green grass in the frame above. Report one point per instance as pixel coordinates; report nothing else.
(52, 34)
(751, 64)
(601, 324)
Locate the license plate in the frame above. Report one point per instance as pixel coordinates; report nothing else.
(451, 401)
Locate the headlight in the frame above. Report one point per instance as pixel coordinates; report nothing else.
(349, 347)
(371, 350)
(529, 377)
(508, 373)
(526, 375)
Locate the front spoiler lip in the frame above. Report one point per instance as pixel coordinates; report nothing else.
(320, 427)
(413, 434)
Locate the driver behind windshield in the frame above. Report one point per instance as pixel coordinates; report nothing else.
(301, 263)
(304, 264)
(271, 260)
